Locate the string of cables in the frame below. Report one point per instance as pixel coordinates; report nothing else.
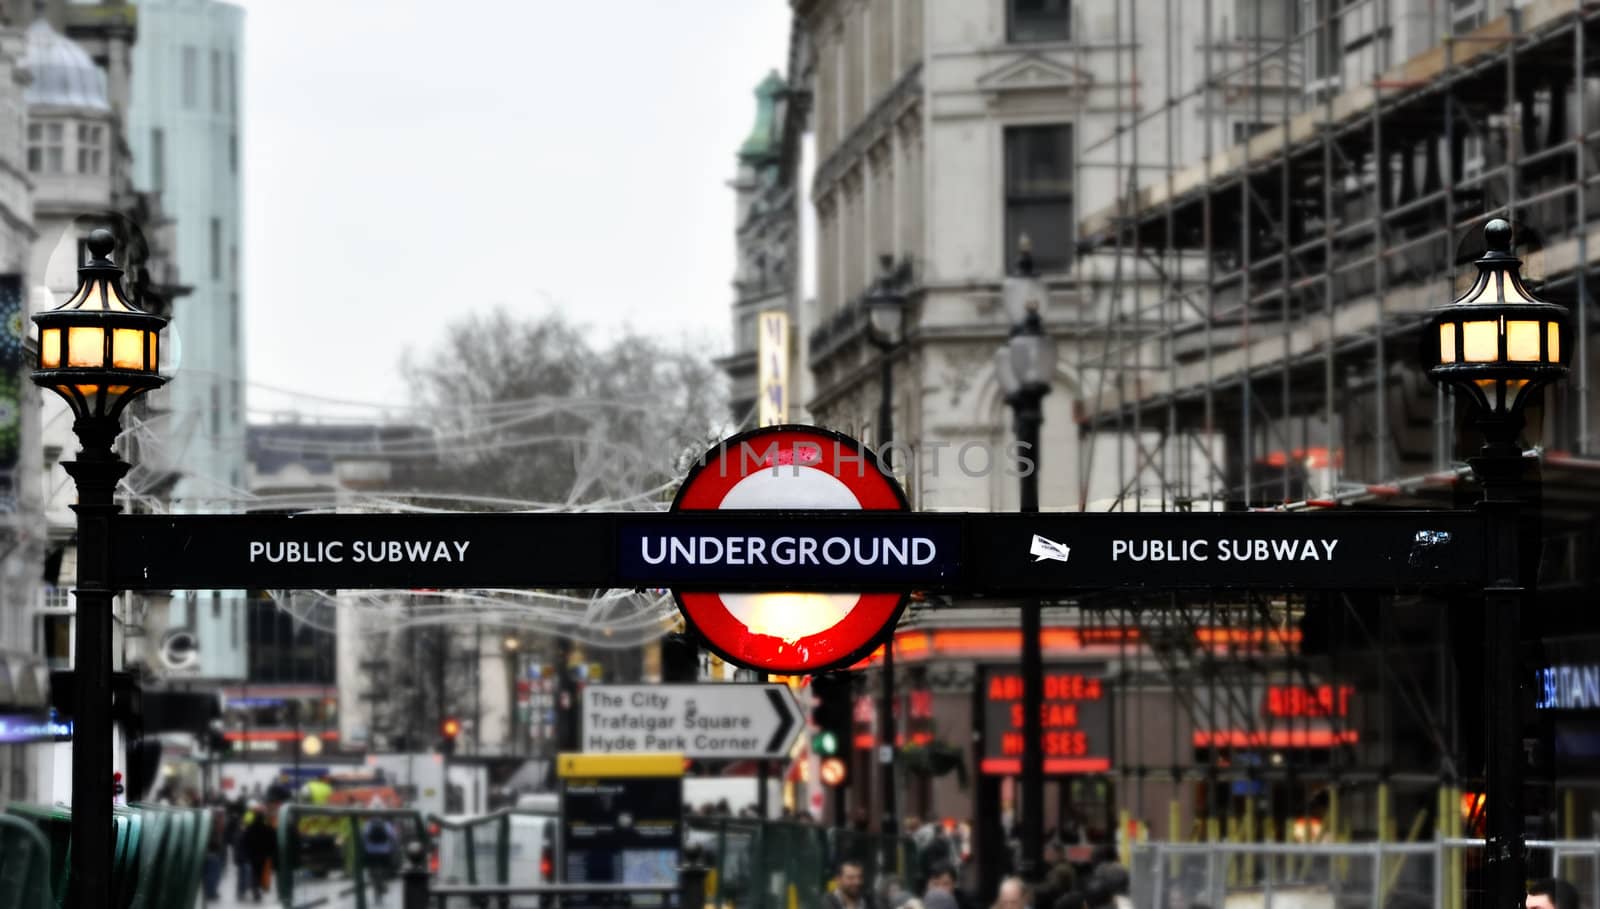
(610, 470)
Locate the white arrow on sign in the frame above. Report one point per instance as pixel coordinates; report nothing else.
(710, 720)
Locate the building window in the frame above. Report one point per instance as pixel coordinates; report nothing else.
(1244, 129)
(216, 249)
(191, 77)
(46, 148)
(1038, 20)
(1039, 193)
(55, 639)
(1327, 39)
(89, 149)
(233, 153)
(1264, 19)
(216, 604)
(158, 160)
(216, 82)
(233, 84)
(1466, 15)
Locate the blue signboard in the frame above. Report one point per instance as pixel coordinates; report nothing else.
(28, 727)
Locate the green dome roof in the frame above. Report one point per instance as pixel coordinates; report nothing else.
(763, 141)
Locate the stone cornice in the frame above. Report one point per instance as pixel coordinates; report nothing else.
(905, 94)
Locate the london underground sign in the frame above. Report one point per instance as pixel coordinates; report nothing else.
(790, 550)
(779, 630)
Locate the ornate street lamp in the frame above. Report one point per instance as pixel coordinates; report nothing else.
(886, 306)
(886, 313)
(99, 351)
(1499, 345)
(1024, 367)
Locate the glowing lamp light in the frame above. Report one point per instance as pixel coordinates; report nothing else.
(311, 746)
(99, 351)
(1498, 343)
(833, 772)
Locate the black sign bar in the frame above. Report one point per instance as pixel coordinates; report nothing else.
(995, 554)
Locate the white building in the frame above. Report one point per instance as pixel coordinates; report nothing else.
(23, 679)
(184, 128)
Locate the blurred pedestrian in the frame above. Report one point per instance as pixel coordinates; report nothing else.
(850, 891)
(1013, 895)
(243, 865)
(379, 847)
(216, 854)
(1552, 893)
(260, 842)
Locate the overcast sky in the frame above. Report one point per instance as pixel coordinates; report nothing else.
(409, 161)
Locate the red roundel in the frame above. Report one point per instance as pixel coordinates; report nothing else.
(802, 468)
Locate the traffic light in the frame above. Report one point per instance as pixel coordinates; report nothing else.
(831, 713)
(448, 730)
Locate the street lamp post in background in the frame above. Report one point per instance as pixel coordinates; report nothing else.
(1499, 345)
(513, 648)
(1024, 366)
(99, 352)
(886, 313)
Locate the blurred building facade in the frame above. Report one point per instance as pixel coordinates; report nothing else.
(773, 305)
(23, 677)
(1239, 211)
(184, 130)
(72, 67)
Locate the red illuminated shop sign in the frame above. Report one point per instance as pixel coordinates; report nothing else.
(1075, 720)
(1298, 702)
(1288, 716)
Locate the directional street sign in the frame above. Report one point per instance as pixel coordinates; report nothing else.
(709, 720)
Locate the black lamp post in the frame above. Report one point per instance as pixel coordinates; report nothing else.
(1499, 345)
(1024, 366)
(99, 352)
(886, 312)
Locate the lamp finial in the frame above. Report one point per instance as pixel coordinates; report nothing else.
(1497, 235)
(101, 243)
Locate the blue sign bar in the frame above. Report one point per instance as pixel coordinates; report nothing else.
(16, 729)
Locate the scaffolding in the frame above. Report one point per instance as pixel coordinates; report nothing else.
(1260, 346)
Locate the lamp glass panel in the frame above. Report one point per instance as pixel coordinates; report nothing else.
(115, 300)
(1004, 373)
(82, 297)
(50, 348)
(1553, 329)
(1447, 342)
(86, 346)
(1512, 293)
(1480, 341)
(1025, 358)
(886, 318)
(1522, 341)
(127, 348)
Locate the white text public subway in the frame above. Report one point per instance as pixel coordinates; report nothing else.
(360, 551)
(1225, 550)
(787, 550)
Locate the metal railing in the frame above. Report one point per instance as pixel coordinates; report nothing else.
(1440, 873)
(420, 892)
